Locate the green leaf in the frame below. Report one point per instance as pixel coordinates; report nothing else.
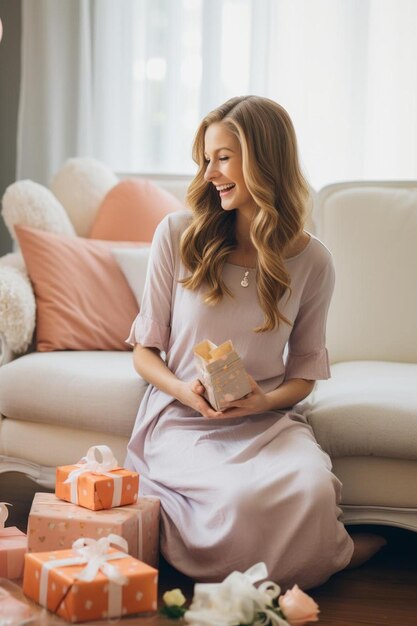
(173, 612)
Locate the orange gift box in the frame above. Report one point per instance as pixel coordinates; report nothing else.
(97, 485)
(13, 546)
(67, 583)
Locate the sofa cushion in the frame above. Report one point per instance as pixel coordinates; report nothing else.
(132, 210)
(371, 232)
(55, 445)
(134, 264)
(95, 391)
(367, 408)
(83, 301)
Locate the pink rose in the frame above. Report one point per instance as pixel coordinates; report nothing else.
(298, 607)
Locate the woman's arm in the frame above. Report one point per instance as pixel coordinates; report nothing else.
(289, 393)
(285, 396)
(152, 368)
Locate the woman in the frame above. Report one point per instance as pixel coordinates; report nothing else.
(248, 483)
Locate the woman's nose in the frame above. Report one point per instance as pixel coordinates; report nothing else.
(210, 172)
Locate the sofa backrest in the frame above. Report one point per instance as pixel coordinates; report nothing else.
(371, 230)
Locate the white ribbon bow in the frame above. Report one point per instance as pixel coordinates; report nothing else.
(4, 513)
(90, 463)
(235, 601)
(93, 552)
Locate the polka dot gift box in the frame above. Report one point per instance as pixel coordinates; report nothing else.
(221, 371)
(55, 525)
(97, 483)
(91, 581)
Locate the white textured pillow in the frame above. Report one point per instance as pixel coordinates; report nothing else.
(17, 308)
(134, 264)
(27, 203)
(81, 185)
(14, 259)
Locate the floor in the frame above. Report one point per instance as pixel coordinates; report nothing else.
(383, 592)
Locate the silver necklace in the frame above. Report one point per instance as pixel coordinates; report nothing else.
(245, 282)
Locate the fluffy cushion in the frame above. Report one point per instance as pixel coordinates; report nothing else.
(81, 185)
(17, 308)
(30, 204)
(132, 210)
(14, 259)
(83, 300)
(134, 263)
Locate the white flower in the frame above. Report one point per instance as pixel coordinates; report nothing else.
(234, 601)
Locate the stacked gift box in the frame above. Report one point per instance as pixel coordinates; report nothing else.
(55, 524)
(91, 549)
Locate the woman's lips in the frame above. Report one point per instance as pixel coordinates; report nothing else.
(225, 192)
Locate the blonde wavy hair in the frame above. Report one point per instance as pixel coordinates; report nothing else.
(272, 174)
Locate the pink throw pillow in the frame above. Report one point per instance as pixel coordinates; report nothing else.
(83, 300)
(132, 210)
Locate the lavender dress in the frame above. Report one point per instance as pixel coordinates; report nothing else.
(257, 488)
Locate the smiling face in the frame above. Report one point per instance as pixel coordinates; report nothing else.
(223, 156)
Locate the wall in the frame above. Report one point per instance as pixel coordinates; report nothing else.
(10, 13)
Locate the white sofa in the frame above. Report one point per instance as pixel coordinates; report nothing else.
(365, 416)
(55, 405)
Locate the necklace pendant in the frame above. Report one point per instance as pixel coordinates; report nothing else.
(244, 282)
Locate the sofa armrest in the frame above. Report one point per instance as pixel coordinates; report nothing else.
(17, 312)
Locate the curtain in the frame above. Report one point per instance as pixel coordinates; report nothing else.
(128, 81)
(55, 105)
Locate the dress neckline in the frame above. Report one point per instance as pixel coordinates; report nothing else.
(242, 267)
(290, 258)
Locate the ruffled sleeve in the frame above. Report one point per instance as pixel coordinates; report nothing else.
(307, 354)
(151, 327)
(148, 333)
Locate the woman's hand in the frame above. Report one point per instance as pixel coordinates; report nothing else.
(191, 394)
(254, 402)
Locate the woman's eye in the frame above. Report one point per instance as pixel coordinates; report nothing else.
(224, 158)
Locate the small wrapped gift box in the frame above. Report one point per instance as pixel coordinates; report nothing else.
(222, 373)
(13, 546)
(91, 581)
(96, 484)
(55, 525)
